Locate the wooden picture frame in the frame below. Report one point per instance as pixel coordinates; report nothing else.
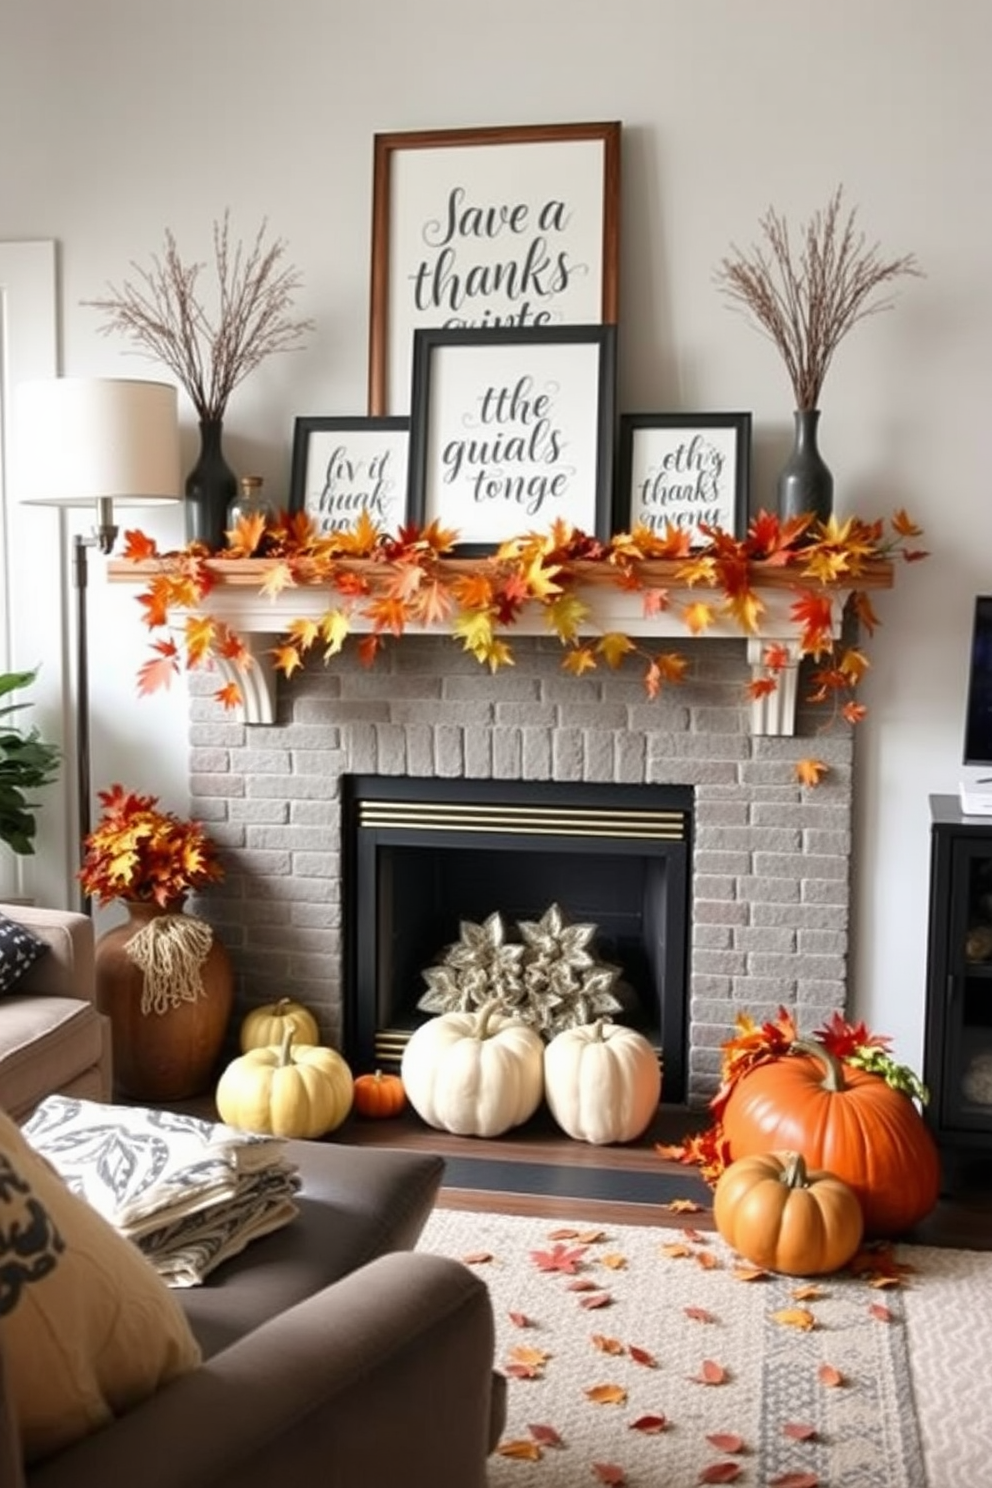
(685, 469)
(495, 227)
(343, 466)
(512, 428)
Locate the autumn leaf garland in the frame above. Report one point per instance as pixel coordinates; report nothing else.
(392, 582)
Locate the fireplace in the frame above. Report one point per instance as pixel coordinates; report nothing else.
(423, 856)
(767, 861)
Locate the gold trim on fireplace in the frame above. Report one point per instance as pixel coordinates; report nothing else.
(547, 821)
(390, 1043)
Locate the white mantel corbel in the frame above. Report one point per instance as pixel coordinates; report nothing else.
(260, 621)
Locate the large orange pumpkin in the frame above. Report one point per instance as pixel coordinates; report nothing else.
(845, 1120)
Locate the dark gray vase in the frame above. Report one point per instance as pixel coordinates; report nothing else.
(805, 483)
(210, 486)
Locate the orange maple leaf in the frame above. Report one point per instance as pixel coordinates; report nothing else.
(138, 547)
(811, 771)
(607, 1394)
(229, 696)
(158, 673)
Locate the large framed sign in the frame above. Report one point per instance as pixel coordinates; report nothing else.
(512, 428)
(344, 467)
(498, 227)
(684, 470)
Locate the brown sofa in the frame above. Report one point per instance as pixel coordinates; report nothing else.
(330, 1349)
(52, 1039)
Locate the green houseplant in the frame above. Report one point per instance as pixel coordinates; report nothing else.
(26, 763)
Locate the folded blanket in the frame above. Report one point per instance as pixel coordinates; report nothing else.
(190, 1193)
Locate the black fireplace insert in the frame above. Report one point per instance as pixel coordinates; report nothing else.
(422, 856)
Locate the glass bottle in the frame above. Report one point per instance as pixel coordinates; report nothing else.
(249, 501)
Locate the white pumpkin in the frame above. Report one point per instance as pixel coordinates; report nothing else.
(474, 1074)
(602, 1082)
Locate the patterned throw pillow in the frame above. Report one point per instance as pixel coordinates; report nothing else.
(19, 949)
(87, 1327)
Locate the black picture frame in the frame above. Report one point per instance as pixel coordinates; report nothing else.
(343, 465)
(673, 467)
(541, 398)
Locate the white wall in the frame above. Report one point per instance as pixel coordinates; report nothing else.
(120, 118)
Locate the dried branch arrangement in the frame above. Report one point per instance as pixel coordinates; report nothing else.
(807, 303)
(210, 348)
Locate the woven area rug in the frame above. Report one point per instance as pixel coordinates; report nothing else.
(644, 1357)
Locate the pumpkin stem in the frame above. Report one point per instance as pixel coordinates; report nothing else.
(285, 1057)
(486, 1013)
(794, 1174)
(833, 1070)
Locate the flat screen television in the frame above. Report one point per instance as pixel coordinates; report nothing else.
(978, 715)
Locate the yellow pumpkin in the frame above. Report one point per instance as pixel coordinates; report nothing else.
(783, 1218)
(289, 1091)
(267, 1025)
(602, 1082)
(474, 1074)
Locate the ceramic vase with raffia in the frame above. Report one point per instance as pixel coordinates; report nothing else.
(805, 484)
(166, 984)
(210, 487)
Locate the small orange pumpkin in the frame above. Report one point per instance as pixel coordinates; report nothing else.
(783, 1218)
(379, 1095)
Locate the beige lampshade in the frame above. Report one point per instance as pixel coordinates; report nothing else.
(79, 440)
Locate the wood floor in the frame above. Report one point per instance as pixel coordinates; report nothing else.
(537, 1170)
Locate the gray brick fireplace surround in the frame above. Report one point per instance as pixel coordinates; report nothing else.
(770, 878)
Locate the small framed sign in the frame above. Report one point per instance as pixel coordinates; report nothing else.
(684, 470)
(512, 429)
(345, 466)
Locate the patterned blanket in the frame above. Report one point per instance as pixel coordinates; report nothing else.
(190, 1193)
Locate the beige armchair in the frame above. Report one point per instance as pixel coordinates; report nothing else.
(52, 1039)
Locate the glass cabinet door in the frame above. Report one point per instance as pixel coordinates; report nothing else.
(966, 1085)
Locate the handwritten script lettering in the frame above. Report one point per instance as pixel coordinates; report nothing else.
(515, 451)
(685, 487)
(459, 277)
(353, 484)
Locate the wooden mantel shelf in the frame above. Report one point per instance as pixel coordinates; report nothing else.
(237, 600)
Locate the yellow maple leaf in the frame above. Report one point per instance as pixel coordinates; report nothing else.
(795, 1317)
(613, 1261)
(541, 578)
(303, 633)
(498, 655)
(747, 609)
(277, 578)
(698, 616)
(286, 659)
(565, 616)
(475, 629)
(579, 660)
(199, 634)
(334, 626)
(614, 647)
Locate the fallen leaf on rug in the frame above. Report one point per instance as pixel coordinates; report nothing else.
(795, 1317)
(546, 1435)
(607, 1395)
(725, 1441)
(561, 1258)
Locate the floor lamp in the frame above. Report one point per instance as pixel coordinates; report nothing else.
(93, 442)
